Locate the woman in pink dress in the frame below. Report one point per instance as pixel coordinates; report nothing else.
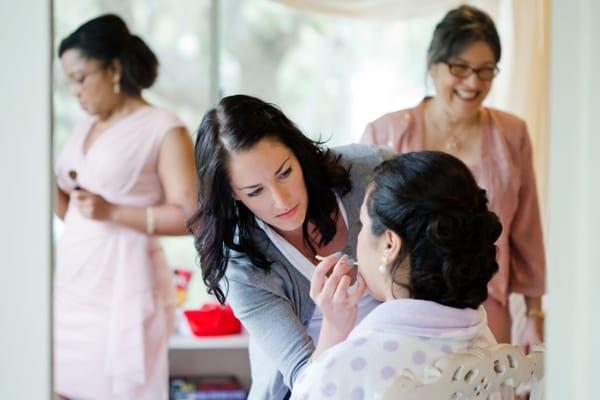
(462, 62)
(125, 175)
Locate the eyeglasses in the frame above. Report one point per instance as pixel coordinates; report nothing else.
(460, 70)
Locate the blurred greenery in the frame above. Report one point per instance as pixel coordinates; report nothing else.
(331, 75)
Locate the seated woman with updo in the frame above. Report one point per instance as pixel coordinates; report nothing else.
(426, 250)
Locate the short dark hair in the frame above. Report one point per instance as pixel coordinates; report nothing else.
(431, 200)
(460, 28)
(106, 38)
(221, 223)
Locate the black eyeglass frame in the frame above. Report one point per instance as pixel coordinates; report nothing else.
(469, 70)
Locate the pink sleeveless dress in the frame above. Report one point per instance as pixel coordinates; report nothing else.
(113, 298)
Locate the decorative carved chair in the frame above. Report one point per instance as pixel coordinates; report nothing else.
(480, 373)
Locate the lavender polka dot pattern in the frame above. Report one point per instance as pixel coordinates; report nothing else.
(358, 393)
(387, 373)
(390, 345)
(358, 363)
(329, 390)
(330, 363)
(360, 341)
(419, 357)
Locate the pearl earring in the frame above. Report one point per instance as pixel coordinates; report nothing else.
(384, 262)
(116, 87)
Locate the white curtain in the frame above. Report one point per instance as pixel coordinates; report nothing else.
(521, 87)
(374, 9)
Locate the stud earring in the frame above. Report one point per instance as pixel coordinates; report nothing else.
(116, 87)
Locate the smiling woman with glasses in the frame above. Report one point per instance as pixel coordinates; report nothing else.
(462, 63)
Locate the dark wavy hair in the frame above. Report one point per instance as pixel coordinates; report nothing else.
(106, 38)
(431, 200)
(221, 224)
(460, 28)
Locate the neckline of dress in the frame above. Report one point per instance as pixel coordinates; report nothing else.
(483, 131)
(94, 120)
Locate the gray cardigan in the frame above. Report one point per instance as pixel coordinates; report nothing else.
(275, 307)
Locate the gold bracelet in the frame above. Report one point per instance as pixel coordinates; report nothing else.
(535, 313)
(149, 221)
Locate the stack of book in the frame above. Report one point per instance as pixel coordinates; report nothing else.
(206, 388)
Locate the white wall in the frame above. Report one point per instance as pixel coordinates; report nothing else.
(573, 325)
(25, 248)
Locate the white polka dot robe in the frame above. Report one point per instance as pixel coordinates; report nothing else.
(399, 334)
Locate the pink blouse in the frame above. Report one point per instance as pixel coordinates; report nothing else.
(506, 172)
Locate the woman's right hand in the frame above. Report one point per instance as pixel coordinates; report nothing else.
(331, 294)
(92, 205)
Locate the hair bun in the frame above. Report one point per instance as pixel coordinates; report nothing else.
(463, 231)
(466, 244)
(432, 201)
(139, 63)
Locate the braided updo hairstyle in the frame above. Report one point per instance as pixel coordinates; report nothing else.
(106, 38)
(431, 200)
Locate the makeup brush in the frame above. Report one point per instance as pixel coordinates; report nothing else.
(73, 176)
(350, 261)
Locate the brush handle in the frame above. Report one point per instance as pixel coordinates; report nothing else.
(351, 261)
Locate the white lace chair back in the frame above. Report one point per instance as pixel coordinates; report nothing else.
(480, 373)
